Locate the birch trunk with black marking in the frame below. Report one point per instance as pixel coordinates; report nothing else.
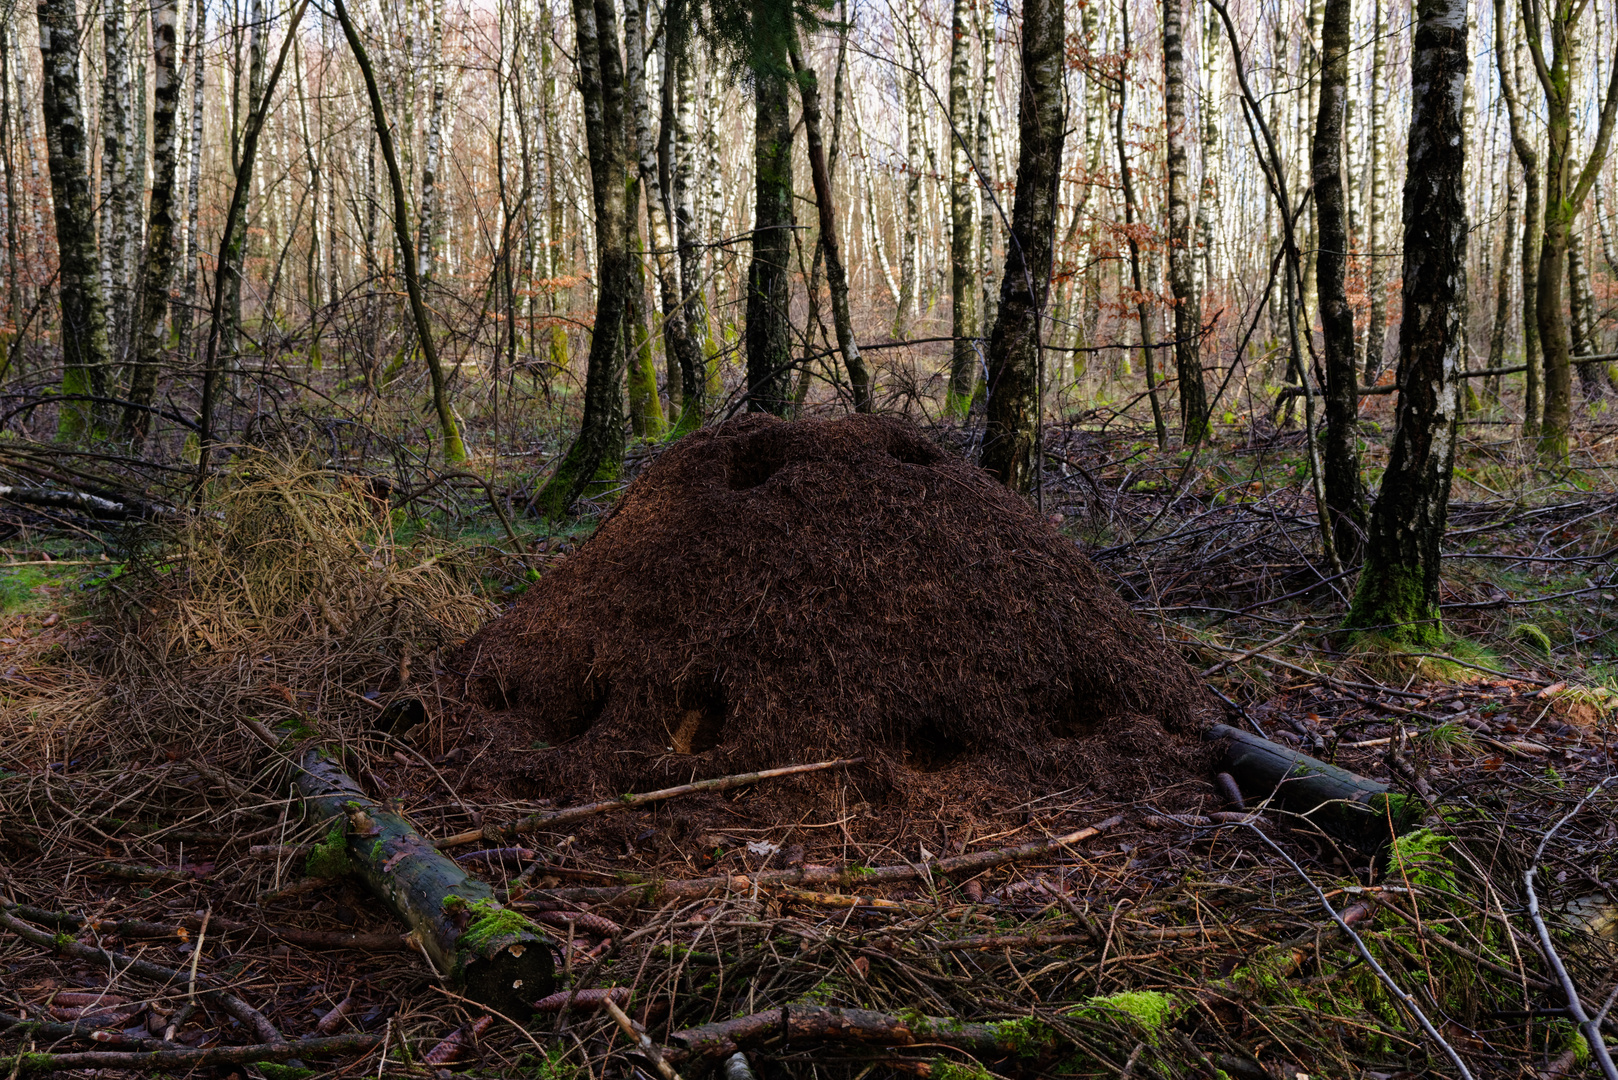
(693, 370)
(989, 222)
(188, 303)
(85, 356)
(962, 238)
(157, 270)
(427, 244)
(1582, 316)
(1014, 347)
(1376, 322)
(1182, 261)
(498, 956)
(1345, 494)
(1397, 594)
(117, 175)
(645, 408)
(1213, 94)
(682, 350)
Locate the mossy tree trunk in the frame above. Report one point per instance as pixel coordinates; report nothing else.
(84, 312)
(963, 372)
(645, 410)
(600, 442)
(1340, 460)
(769, 284)
(1014, 346)
(1397, 594)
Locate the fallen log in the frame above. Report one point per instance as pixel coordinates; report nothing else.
(184, 1057)
(1360, 810)
(497, 956)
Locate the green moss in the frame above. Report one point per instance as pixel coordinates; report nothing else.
(945, 1069)
(1391, 603)
(329, 858)
(490, 923)
(61, 940)
(1026, 1037)
(1419, 856)
(1146, 1010)
(275, 1071)
(1533, 637)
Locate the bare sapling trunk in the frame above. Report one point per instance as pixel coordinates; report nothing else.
(963, 372)
(1182, 260)
(1502, 287)
(1015, 346)
(85, 357)
(454, 450)
(1345, 494)
(600, 442)
(230, 246)
(1397, 594)
(158, 269)
(836, 275)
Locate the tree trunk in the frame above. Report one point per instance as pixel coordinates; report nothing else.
(1582, 317)
(645, 410)
(836, 276)
(601, 84)
(1502, 288)
(1345, 495)
(1182, 260)
(915, 151)
(1566, 187)
(158, 270)
(117, 176)
(1397, 595)
(963, 239)
(1213, 93)
(84, 315)
(769, 342)
(1009, 442)
(193, 237)
(454, 450)
(989, 222)
(1376, 324)
(236, 253)
(427, 245)
(693, 370)
(1143, 287)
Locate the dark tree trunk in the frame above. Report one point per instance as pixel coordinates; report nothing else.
(1014, 346)
(600, 444)
(769, 341)
(158, 268)
(1182, 261)
(1397, 595)
(1345, 494)
(84, 310)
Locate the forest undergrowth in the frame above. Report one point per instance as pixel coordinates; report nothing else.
(161, 888)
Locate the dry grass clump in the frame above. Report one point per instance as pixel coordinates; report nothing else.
(293, 597)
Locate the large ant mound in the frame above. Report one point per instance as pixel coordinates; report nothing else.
(770, 593)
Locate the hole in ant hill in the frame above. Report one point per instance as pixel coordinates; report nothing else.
(750, 467)
(700, 725)
(927, 749)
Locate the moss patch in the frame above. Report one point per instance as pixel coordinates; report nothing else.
(489, 924)
(1420, 857)
(329, 857)
(945, 1069)
(1148, 1011)
(1027, 1037)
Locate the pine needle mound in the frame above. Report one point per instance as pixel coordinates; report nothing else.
(772, 592)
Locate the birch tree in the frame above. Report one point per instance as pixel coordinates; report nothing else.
(1014, 346)
(1187, 304)
(157, 270)
(1397, 593)
(963, 237)
(85, 358)
(1376, 323)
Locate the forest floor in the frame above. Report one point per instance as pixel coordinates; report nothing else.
(1182, 936)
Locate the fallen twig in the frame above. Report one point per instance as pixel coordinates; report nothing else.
(187, 1057)
(502, 834)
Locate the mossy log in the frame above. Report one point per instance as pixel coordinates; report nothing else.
(500, 958)
(1351, 806)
